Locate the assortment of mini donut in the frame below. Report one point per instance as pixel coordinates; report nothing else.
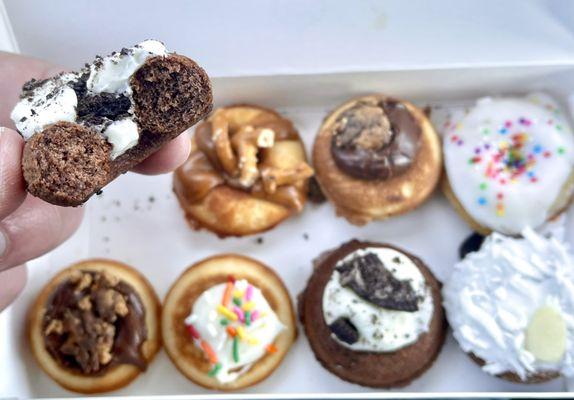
(373, 313)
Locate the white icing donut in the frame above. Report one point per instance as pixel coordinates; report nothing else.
(380, 329)
(255, 331)
(507, 160)
(494, 294)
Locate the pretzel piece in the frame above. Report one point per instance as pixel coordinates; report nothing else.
(247, 143)
(274, 177)
(220, 135)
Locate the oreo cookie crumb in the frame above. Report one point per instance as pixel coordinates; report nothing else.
(471, 244)
(259, 240)
(344, 330)
(368, 277)
(306, 236)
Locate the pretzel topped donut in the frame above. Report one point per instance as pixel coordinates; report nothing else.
(243, 151)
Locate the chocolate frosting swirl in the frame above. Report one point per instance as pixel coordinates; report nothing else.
(375, 140)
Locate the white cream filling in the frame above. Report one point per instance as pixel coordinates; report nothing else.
(113, 75)
(31, 115)
(122, 135)
(207, 321)
(380, 330)
(493, 294)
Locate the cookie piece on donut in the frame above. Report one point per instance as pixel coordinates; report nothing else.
(509, 163)
(95, 326)
(85, 128)
(376, 157)
(373, 314)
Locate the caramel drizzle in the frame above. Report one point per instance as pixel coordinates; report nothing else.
(232, 150)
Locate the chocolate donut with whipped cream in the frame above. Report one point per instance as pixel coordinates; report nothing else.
(372, 313)
(85, 128)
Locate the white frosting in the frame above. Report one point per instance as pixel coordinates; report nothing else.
(122, 135)
(110, 74)
(206, 320)
(32, 114)
(380, 330)
(507, 160)
(493, 294)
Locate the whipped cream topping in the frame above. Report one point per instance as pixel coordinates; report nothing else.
(507, 160)
(380, 329)
(112, 74)
(252, 338)
(494, 293)
(56, 99)
(33, 112)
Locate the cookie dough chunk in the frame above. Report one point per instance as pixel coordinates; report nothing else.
(85, 128)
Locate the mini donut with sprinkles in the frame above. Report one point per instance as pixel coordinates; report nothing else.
(509, 163)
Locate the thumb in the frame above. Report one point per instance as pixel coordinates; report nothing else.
(12, 188)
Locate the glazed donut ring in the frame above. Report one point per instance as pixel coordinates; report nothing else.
(116, 376)
(361, 201)
(247, 172)
(187, 357)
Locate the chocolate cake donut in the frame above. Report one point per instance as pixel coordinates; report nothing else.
(95, 326)
(85, 128)
(373, 314)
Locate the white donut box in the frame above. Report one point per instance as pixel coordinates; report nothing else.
(137, 220)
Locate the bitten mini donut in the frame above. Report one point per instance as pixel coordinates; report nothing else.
(95, 326)
(83, 129)
(373, 314)
(509, 163)
(510, 306)
(376, 157)
(228, 322)
(247, 172)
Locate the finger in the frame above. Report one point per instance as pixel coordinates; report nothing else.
(168, 158)
(15, 70)
(12, 188)
(34, 229)
(12, 282)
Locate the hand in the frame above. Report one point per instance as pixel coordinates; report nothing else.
(30, 227)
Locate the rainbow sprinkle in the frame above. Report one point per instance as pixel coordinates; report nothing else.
(505, 162)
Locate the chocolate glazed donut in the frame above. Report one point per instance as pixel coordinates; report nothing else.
(376, 157)
(376, 141)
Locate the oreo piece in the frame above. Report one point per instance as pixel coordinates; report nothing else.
(368, 277)
(471, 244)
(345, 331)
